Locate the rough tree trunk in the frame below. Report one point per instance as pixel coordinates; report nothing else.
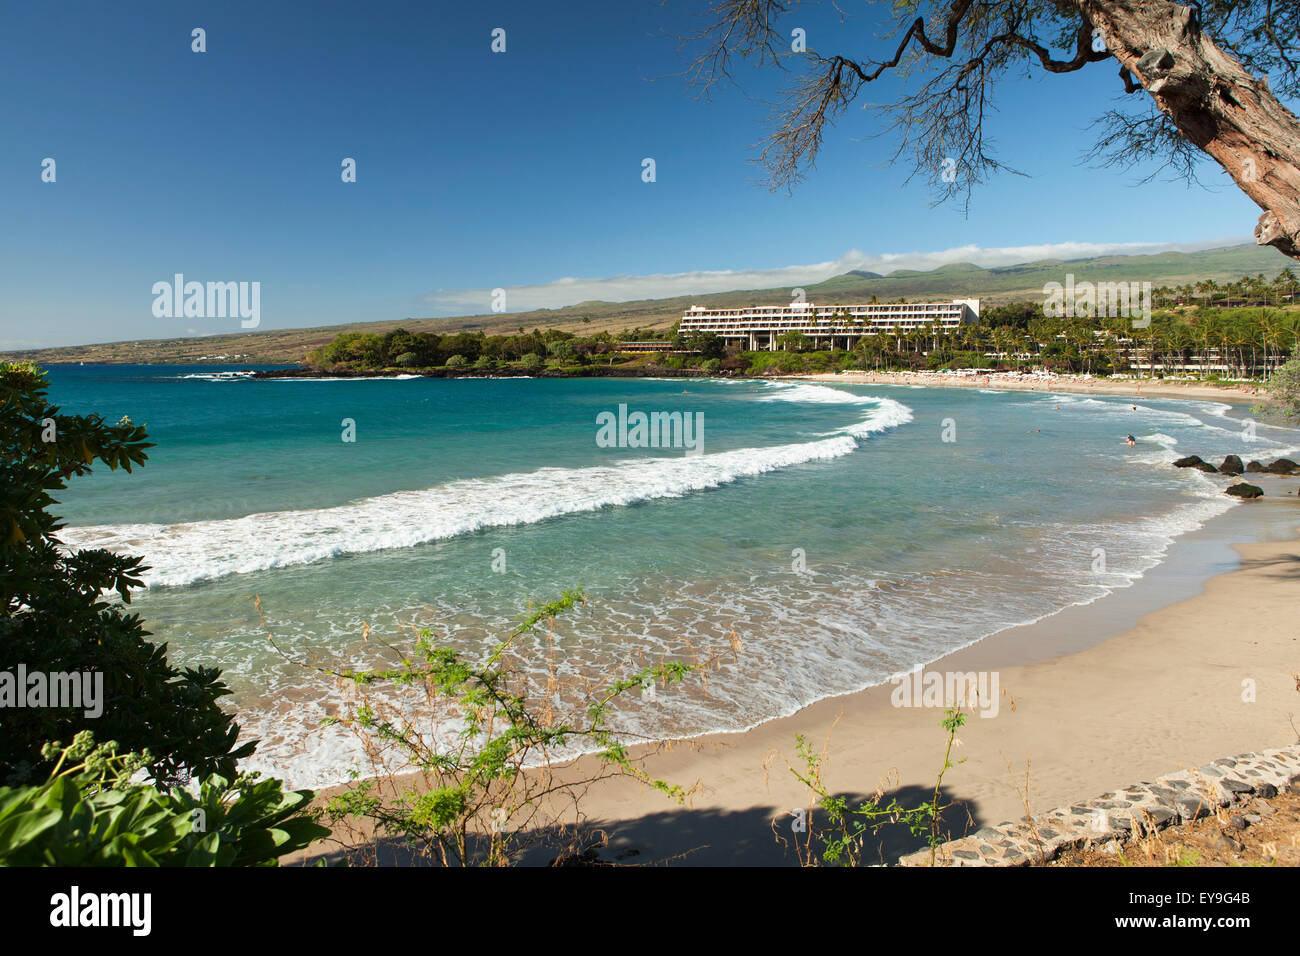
(1217, 105)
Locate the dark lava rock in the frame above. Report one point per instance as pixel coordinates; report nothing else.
(1192, 806)
(1189, 462)
(1238, 822)
(1243, 490)
(1283, 466)
(1206, 467)
(1256, 466)
(1221, 841)
(1160, 816)
(1231, 466)
(1266, 790)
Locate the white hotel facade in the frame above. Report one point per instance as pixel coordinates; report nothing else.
(839, 326)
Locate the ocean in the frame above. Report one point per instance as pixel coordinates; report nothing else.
(837, 535)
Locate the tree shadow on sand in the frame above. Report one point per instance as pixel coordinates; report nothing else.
(685, 836)
(1285, 566)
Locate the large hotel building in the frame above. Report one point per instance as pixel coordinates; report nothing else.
(839, 326)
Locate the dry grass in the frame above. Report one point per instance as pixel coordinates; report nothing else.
(1261, 832)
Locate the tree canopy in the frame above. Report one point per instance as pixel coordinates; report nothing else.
(1205, 81)
(56, 616)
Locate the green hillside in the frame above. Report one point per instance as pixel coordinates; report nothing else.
(956, 280)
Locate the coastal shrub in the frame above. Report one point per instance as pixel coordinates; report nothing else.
(407, 360)
(484, 361)
(532, 361)
(563, 350)
(818, 361)
(762, 362)
(840, 836)
(708, 344)
(711, 366)
(456, 361)
(791, 362)
(89, 813)
(1283, 390)
(56, 616)
(481, 744)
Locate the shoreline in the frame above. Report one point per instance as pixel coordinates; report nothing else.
(1163, 695)
(1075, 687)
(1245, 392)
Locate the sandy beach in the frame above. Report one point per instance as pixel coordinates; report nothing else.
(1079, 713)
(1167, 694)
(1045, 382)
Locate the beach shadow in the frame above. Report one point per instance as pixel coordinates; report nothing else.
(684, 836)
(1276, 566)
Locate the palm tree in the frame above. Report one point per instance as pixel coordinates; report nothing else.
(1286, 284)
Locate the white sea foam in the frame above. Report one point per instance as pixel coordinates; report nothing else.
(188, 552)
(405, 376)
(217, 376)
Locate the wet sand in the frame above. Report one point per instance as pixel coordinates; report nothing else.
(1184, 667)
(1155, 388)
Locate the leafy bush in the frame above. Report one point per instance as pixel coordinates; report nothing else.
(456, 361)
(1284, 389)
(407, 360)
(531, 360)
(90, 814)
(850, 827)
(792, 362)
(484, 786)
(562, 350)
(55, 616)
(762, 362)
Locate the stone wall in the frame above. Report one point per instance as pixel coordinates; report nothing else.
(1172, 799)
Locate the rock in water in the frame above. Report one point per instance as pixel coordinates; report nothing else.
(1283, 466)
(1256, 466)
(1206, 467)
(1231, 466)
(1189, 462)
(1243, 490)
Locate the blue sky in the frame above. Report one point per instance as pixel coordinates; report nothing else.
(478, 170)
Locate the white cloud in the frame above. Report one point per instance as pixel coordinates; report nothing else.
(624, 288)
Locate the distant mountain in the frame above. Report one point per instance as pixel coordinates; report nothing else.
(1022, 282)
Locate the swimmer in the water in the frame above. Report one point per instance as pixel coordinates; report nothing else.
(1131, 440)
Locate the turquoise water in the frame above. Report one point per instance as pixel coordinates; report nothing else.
(830, 529)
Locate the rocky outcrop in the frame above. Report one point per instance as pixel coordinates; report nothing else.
(1256, 466)
(1121, 816)
(1191, 461)
(1243, 490)
(1283, 466)
(1205, 466)
(1231, 466)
